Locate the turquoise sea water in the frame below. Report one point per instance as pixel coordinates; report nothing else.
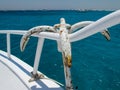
(96, 62)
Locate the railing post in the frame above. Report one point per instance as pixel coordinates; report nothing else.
(38, 55)
(8, 45)
(66, 53)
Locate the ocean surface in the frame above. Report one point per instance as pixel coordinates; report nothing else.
(95, 61)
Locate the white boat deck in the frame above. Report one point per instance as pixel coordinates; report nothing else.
(15, 75)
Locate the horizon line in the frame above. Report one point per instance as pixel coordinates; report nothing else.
(54, 9)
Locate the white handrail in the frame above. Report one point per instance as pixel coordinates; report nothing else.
(19, 32)
(38, 55)
(8, 45)
(101, 24)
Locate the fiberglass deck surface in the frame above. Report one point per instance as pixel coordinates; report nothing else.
(14, 75)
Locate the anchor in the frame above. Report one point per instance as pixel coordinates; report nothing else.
(64, 34)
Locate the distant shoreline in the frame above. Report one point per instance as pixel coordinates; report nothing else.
(59, 10)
